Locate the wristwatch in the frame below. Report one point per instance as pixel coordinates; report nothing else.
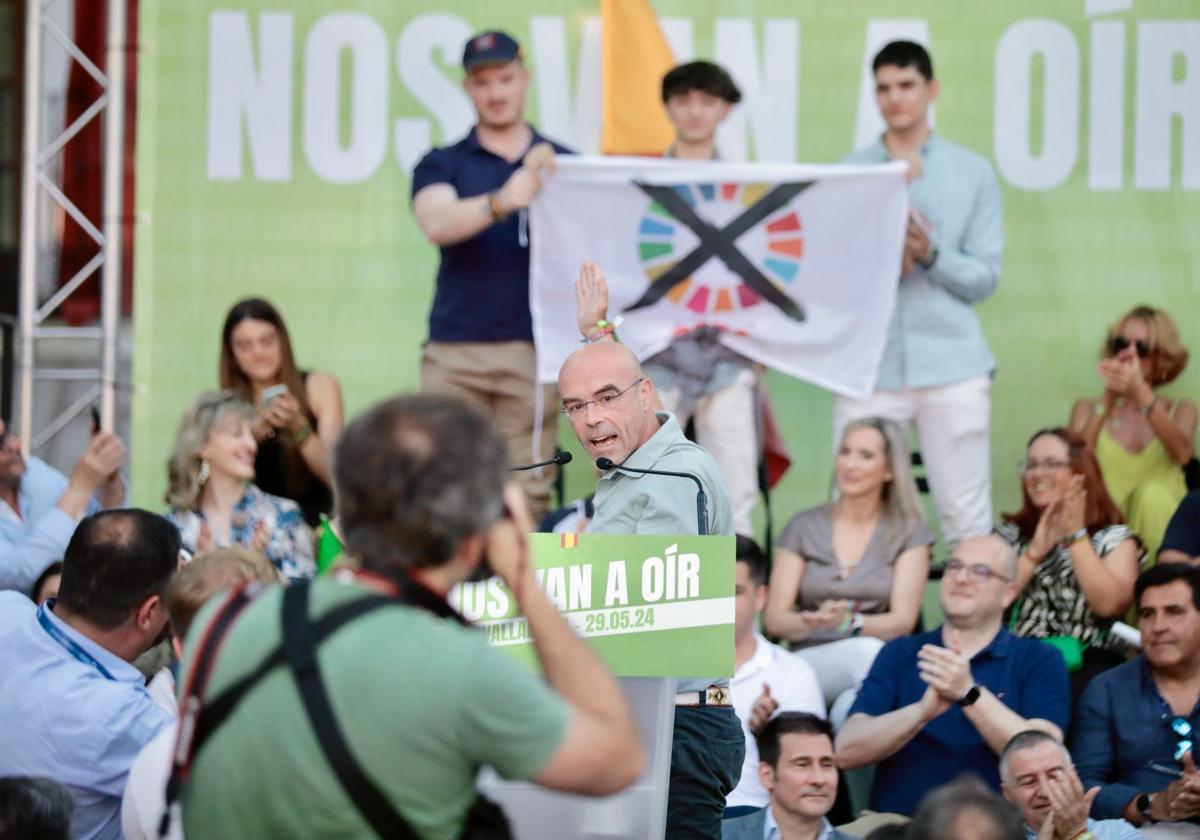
(928, 262)
(1142, 803)
(970, 697)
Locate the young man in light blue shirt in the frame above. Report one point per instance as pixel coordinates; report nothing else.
(936, 368)
(76, 710)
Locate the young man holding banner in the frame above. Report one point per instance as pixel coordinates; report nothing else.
(610, 402)
(471, 200)
(697, 377)
(936, 369)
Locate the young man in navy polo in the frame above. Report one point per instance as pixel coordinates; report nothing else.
(939, 704)
(471, 199)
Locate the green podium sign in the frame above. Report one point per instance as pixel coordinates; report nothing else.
(649, 606)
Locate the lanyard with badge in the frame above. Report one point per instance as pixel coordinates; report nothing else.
(67, 643)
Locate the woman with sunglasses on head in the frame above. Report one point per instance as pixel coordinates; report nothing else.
(299, 413)
(1077, 563)
(1141, 439)
(849, 575)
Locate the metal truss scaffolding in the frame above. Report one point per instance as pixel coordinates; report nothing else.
(35, 162)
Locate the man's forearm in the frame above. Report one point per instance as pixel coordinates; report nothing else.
(457, 221)
(997, 723)
(865, 739)
(75, 499)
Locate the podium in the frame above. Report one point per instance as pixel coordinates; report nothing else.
(637, 813)
(653, 608)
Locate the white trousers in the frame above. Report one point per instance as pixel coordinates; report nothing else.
(953, 423)
(727, 426)
(841, 667)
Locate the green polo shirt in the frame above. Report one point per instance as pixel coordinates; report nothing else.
(629, 503)
(423, 702)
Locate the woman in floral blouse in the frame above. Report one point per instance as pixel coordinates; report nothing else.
(1077, 562)
(211, 491)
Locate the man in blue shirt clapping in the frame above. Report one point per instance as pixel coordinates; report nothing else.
(939, 704)
(1135, 731)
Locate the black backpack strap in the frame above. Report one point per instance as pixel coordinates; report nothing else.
(224, 704)
(300, 650)
(194, 685)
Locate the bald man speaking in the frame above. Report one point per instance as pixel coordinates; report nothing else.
(610, 402)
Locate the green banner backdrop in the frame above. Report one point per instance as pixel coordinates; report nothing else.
(276, 139)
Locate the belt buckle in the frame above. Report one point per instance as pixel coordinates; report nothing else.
(715, 696)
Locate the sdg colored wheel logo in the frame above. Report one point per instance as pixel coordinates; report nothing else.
(776, 246)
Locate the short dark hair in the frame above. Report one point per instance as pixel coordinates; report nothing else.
(35, 807)
(992, 818)
(1164, 573)
(700, 75)
(788, 723)
(415, 475)
(116, 560)
(748, 552)
(890, 831)
(904, 54)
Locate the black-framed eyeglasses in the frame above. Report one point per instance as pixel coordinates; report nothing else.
(979, 572)
(1120, 343)
(1029, 465)
(604, 403)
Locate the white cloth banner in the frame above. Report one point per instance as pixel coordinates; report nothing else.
(796, 264)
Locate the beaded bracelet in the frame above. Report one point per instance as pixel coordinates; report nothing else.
(605, 328)
(302, 435)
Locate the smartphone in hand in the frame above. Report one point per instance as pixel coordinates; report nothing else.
(269, 394)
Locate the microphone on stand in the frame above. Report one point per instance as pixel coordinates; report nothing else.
(701, 500)
(560, 459)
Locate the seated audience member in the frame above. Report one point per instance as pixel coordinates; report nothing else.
(46, 586)
(34, 809)
(1135, 726)
(295, 429)
(144, 799)
(420, 700)
(1037, 776)
(39, 506)
(852, 572)
(965, 810)
(1181, 542)
(1077, 562)
(942, 703)
(75, 709)
(1141, 439)
(214, 501)
(767, 679)
(798, 771)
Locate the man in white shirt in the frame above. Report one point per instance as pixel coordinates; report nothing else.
(767, 678)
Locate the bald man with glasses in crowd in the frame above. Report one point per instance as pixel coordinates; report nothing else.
(938, 704)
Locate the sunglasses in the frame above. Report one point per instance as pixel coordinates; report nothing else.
(1120, 343)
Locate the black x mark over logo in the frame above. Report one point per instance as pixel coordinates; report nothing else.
(720, 243)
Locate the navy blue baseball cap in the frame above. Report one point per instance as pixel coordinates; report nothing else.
(492, 47)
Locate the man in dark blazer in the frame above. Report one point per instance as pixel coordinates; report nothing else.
(798, 770)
